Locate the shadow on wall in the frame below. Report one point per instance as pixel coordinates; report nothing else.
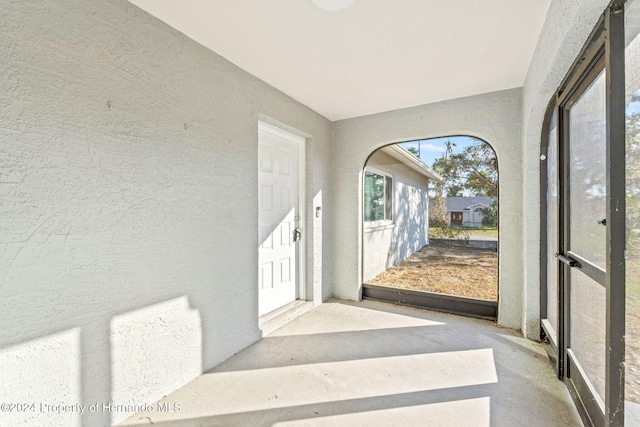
(152, 350)
(403, 232)
(71, 378)
(407, 238)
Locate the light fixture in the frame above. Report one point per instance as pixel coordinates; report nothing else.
(333, 5)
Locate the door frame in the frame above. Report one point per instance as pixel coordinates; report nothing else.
(302, 203)
(605, 45)
(574, 376)
(456, 215)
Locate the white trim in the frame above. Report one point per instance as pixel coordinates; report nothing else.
(384, 223)
(378, 171)
(379, 227)
(262, 126)
(400, 153)
(301, 258)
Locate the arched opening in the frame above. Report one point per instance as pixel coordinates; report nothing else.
(430, 225)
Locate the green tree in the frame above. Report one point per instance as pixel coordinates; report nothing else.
(490, 218)
(473, 171)
(414, 151)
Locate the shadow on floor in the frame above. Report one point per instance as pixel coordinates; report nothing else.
(376, 364)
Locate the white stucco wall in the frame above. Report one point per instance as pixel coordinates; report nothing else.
(473, 218)
(465, 218)
(385, 246)
(128, 207)
(494, 117)
(568, 24)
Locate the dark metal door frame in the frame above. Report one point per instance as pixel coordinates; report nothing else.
(604, 50)
(570, 261)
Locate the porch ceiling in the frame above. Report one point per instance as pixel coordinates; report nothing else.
(376, 56)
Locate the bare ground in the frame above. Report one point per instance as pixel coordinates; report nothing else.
(453, 270)
(473, 273)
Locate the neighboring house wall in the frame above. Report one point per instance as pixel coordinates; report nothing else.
(470, 208)
(473, 216)
(568, 24)
(129, 208)
(388, 244)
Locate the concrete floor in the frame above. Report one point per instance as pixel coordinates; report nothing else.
(375, 364)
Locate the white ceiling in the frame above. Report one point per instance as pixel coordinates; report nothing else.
(376, 56)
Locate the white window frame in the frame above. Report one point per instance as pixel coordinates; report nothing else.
(382, 223)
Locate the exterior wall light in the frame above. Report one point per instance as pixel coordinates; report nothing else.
(333, 5)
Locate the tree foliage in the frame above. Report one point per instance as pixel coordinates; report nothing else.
(473, 171)
(633, 183)
(450, 232)
(438, 216)
(439, 220)
(490, 215)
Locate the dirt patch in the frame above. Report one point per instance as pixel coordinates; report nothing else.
(453, 270)
(473, 272)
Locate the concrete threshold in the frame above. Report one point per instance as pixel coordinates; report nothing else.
(463, 306)
(278, 318)
(376, 364)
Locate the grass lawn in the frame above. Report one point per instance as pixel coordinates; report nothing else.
(477, 232)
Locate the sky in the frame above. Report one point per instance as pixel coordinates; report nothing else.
(432, 149)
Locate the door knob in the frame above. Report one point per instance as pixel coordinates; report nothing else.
(297, 234)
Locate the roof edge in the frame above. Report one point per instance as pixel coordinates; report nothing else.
(403, 155)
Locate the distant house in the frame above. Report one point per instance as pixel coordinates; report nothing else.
(395, 208)
(466, 211)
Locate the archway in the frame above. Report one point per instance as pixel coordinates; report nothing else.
(493, 117)
(429, 239)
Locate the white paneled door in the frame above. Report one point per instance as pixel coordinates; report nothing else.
(279, 217)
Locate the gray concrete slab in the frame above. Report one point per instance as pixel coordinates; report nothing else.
(376, 364)
(472, 242)
(483, 239)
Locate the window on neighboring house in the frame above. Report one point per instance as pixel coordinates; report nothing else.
(378, 197)
(478, 210)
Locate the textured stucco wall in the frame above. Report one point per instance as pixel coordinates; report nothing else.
(568, 24)
(384, 246)
(128, 207)
(494, 117)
